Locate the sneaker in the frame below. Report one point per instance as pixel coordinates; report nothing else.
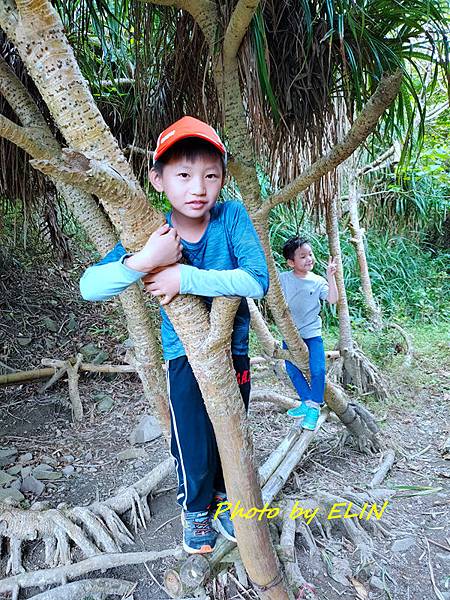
(299, 411)
(311, 417)
(198, 535)
(222, 523)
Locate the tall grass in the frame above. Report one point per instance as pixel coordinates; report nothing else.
(410, 279)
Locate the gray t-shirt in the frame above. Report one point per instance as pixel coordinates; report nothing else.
(303, 295)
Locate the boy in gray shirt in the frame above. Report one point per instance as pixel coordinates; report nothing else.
(303, 291)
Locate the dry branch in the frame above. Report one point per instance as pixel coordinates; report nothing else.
(81, 590)
(384, 468)
(101, 562)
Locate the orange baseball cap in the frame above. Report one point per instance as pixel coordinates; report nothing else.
(185, 128)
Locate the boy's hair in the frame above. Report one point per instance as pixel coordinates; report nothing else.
(190, 149)
(291, 246)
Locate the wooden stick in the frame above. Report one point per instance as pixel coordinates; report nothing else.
(95, 563)
(88, 588)
(54, 365)
(388, 461)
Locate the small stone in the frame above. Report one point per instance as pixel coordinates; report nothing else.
(89, 351)
(51, 325)
(5, 478)
(25, 471)
(88, 455)
(49, 460)
(25, 458)
(68, 470)
(72, 324)
(376, 583)
(24, 341)
(7, 456)
(138, 464)
(403, 544)
(101, 358)
(132, 453)
(104, 403)
(15, 470)
(68, 458)
(147, 430)
(11, 493)
(32, 485)
(46, 474)
(16, 484)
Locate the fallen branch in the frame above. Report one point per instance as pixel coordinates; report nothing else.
(386, 464)
(96, 563)
(80, 590)
(53, 368)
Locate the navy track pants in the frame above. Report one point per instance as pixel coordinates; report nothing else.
(193, 443)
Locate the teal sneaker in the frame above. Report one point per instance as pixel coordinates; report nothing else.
(311, 417)
(222, 523)
(198, 535)
(299, 411)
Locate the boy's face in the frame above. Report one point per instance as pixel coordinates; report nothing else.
(192, 187)
(303, 261)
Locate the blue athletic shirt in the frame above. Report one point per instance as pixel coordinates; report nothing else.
(228, 260)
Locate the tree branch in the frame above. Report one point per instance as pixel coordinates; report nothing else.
(238, 26)
(22, 137)
(359, 131)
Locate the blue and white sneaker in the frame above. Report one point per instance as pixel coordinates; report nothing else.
(198, 535)
(298, 412)
(312, 416)
(222, 523)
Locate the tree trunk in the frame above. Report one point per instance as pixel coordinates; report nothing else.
(358, 242)
(345, 330)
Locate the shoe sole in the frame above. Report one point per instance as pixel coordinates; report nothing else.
(308, 427)
(203, 550)
(217, 525)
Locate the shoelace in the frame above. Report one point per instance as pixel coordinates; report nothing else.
(202, 526)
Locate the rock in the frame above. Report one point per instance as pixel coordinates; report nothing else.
(32, 485)
(46, 474)
(25, 471)
(403, 544)
(138, 464)
(51, 325)
(68, 470)
(147, 430)
(24, 341)
(68, 458)
(49, 460)
(25, 458)
(11, 493)
(101, 358)
(376, 583)
(5, 478)
(104, 402)
(15, 470)
(16, 484)
(72, 324)
(89, 352)
(132, 453)
(88, 455)
(7, 456)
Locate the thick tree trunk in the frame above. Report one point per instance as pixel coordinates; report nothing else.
(358, 242)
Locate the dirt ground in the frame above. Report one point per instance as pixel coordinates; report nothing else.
(43, 316)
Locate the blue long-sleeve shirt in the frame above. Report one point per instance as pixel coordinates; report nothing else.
(227, 261)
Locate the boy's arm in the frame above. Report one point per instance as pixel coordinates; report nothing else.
(109, 277)
(250, 278)
(118, 270)
(333, 294)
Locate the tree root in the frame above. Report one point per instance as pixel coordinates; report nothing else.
(92, 529)
(354, 369)
(89, 588)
